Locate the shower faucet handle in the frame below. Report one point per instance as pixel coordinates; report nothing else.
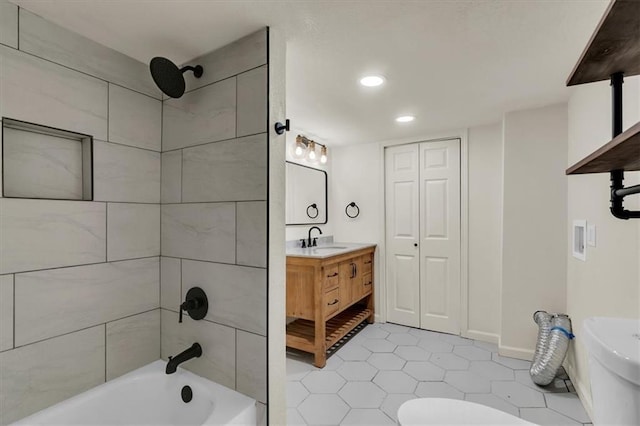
(196, 304)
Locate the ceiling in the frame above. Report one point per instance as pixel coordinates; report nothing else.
(452, 64)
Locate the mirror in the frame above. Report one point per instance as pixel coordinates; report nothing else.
(306, 201)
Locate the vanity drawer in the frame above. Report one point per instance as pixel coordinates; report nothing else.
(367, 284)
(367, 263)
(330, 277)
(331, 302)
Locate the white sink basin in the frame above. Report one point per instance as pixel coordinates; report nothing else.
(615, 342)
(321, 252)
(328, 248)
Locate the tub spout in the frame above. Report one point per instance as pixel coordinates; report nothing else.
(195, 351)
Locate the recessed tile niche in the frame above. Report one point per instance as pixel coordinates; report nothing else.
(44, 162)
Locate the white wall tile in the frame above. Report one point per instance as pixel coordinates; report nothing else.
(218, 360)
(41, 234)
(203, 231)
(252, 233)
(133, 230)
(122, 173)
(252, 102)
(52, 42)
(251, 373)
(50, 303)
(134, 119)
(36, 376)
(132, 342)
(41, 166)
(6, 312)
(62, 98)
(170, 283)
(172, 177)
(237, 294)
(8, 24)
(226, 171)
(237, 57)
(204, 115)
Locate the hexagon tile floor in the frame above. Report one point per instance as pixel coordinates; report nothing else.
(385, 365)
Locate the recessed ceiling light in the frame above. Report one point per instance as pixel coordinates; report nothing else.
(405, 118)
(372, 80)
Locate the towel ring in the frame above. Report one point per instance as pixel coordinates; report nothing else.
(355, 206)
(314, 207)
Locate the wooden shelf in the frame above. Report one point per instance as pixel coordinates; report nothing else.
(613, 47)
(622, 153)
(302, 332)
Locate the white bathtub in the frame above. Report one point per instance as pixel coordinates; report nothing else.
(148, 396)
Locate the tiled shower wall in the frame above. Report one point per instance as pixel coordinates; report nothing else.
(214, 224)
(79, 281)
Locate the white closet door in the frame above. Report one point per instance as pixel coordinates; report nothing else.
(402, 234)
(440, 236)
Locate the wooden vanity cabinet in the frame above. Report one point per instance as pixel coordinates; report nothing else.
(328, 297)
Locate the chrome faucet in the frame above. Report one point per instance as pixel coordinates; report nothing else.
(195, 351)
(313, 243)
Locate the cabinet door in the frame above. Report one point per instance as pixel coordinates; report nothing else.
(345, 273)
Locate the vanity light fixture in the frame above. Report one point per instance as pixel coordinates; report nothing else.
(372, 80)
(405, 118)
(306, 146)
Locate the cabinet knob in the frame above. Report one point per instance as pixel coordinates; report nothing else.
(332, 275)
(415, 244)
(332, 303)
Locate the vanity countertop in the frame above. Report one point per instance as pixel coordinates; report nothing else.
(326, 250)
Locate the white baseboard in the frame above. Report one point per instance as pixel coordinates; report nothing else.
(519, 353)
(481, 335)
(581, 389)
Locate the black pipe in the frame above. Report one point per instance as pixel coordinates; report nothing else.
(618, 192)
(616, 103)
(630, 190)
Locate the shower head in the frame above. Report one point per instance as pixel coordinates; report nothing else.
(168, 76)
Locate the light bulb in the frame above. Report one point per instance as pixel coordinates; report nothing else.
(298, 152)
(323, 155)
(312, 151)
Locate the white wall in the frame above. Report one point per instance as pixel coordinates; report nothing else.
(534, 223)
(485, 231)
(357, 175)
(296, 232)
(608, 283)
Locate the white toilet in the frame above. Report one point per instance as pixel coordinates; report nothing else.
(443, 411)
(614, 367)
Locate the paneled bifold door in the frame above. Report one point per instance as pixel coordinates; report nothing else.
(422, 203)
